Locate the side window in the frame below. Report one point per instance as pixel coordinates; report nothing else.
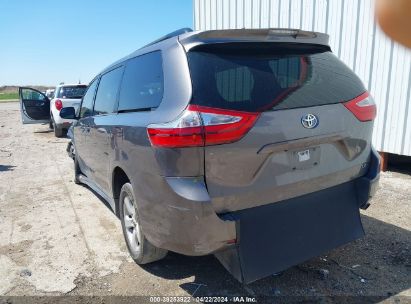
(87, 104)
(143, 83)
(106, 98)
(29, 94)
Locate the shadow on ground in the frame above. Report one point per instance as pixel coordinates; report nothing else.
(43, 131)
(51, 132)
(399, 163)
(377, 266)
(102, 200)
(4, 168)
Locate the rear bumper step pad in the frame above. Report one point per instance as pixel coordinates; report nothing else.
(274, 237)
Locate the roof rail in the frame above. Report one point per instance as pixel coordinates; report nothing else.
(172, 34)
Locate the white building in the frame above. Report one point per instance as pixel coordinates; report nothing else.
(383, 65)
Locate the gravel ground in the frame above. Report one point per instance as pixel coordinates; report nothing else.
(58, 238)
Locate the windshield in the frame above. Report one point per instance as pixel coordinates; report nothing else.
(258, 81)
(74, 92)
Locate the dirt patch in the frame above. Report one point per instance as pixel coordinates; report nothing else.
(25, 227)
(108, 225)
(19, 253)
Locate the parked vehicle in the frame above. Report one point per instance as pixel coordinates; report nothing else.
(36, 106)
(50, 93)
(66, 95)
(253, 145)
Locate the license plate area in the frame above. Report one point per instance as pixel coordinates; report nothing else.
(303, 155)
(304, 158)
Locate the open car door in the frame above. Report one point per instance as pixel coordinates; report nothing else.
(34, 106)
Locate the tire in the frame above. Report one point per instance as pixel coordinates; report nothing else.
(140, 249)
(71, 150)
(77, 171)
(58, 132)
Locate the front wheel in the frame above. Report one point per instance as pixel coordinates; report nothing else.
(141, 250)
(77, 171)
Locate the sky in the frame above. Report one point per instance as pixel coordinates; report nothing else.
(45, 42)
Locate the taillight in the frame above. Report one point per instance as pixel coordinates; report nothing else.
(202, 126)
(58, 104)
(363, 107)
(225, 126)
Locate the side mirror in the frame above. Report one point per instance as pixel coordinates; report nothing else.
(68, 113)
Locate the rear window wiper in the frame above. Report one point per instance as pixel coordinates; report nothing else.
(136, 110)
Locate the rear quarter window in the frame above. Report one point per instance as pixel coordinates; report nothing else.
(270, 81)
(143, 83)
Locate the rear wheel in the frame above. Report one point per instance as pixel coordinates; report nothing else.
(58, 132)
(141, 250)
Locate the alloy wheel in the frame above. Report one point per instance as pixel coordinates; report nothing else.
(131, 224)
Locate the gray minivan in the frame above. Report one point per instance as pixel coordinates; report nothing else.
(253, 145)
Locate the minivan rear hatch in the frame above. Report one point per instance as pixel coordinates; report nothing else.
(305, 138)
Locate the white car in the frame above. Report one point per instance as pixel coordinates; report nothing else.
(49, 93)
(65, 95)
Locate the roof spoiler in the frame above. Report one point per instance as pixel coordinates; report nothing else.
(254, 35)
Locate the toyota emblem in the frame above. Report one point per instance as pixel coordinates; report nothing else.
(309, 121)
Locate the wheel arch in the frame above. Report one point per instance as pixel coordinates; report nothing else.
(119, 178)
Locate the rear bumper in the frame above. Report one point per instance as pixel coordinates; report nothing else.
(367, 185)
(182, 219)
(270, 238)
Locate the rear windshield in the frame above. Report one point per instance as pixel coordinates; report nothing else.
(255, 80)
(71, 92)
